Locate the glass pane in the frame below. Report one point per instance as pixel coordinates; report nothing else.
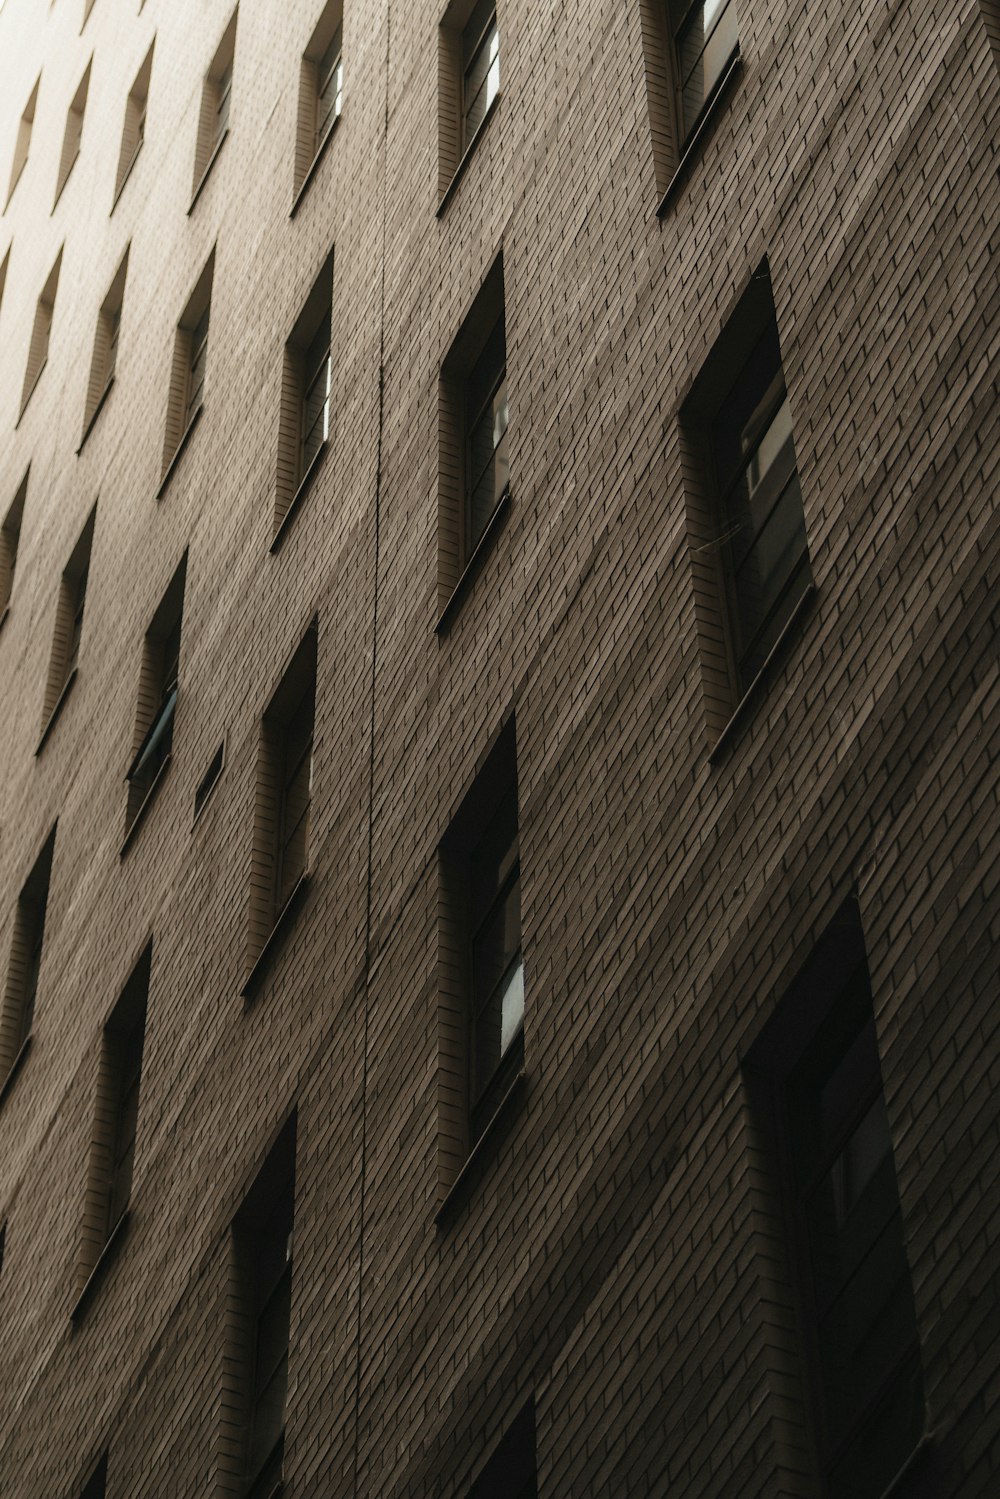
(704, 44)
(316, 416)
(482, 83)
(497, 942)
(329, 86)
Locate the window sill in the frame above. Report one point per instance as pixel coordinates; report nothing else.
(501, 1115)
(470, 569)
(742, 709)
(704, 122)
(293, 505)
(100, 1266)
(89, 424)
(128, 172)
(140, 815)
(210, 163)
(50, 721)
(274, 939)
(168, 471)
(313, 167)
(15, 1067)
(31, 392)
(464, 161)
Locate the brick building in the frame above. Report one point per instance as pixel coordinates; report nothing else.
(499, 847)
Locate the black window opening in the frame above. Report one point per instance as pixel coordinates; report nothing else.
(329, 86)
(705, 34)
(497, 966)
(480, 67)
(294, 798)
(158, 740)
(487, 463)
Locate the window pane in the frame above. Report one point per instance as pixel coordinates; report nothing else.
(329, 86)
(316, 413)
(704, 45)
(482, 82)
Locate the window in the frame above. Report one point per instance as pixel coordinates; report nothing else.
(38, 350)
(24, 963)
(480, 68)
(259, 1324)
(23, 141)
(88, 6)
(510, 1472)
(134, 129)
(73, 133)
(187, 378)
(816, 1076)
(208, 781)
(305, 393)
(95, 1487)
(105, 355)
(68, 626)
(116, 1115)
(468, 83)
(473, 468)
(284, 800)
(3, 273)
(745, 519)
(158, 686)
(481, 963)
(690, 51)
(321, 90)
(10, 540)
(213, 122)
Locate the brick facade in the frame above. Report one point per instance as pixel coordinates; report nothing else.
(614, 1248)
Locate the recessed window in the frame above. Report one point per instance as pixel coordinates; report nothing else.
(208, 781)
(25, 959)
(69, 622)
(73, 133)
(284, 797)
(690, 51)
(187, 378)
(3, 273)
(96, 1485)
(473, 467)
(88, 6)
(305, 392)
(745, 518)
(510, 1472)
(23, 142)
(480, 68)
(105, 356)
(260, 1302)
(815, 1078)
(213, 121)
(468, 82)
(38, 350)
(158, 688)
(321, 89)
(134, 129)
(116, 1115)
(481, 961)
(10, 540)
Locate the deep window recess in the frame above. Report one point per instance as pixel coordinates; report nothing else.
(38, 350)
(704, 35)
(304, 427)
(10, 540)
(321, 91)
(134, 128)
(480, 68)
(511, 1473)
(745, 517)
(105, 355)
(284, 798)
(819, 1059)
(208, 781)
(473, 464)
(96, 1485)
(25, 959)
(73, 133)
(158, 688)
(481, 967)
(23, 142)
(187, 378)
(213, 120)
(259, 1324)
(69, 620)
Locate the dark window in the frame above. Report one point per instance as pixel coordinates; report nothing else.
(25, 960)
(262, 1242)
(705, 33)
(304, 427)
(480, 67)
(187, 377)
(95, 1486)
(123, 1043)
(487, 467)
(213, 119)
(848, 1250)
(41, 333)
(10, 540)
(196, 367)
(316, 395)
(69, 622)
(207, 783)
(73, 133)
(294, 797)
(158, 690)
(329, 86)
(510, 1473)
(105, 355)
(23, 142)
(134, 128)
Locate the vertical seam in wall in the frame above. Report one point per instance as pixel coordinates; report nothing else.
(371, 771)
